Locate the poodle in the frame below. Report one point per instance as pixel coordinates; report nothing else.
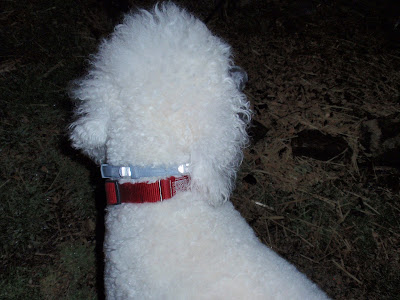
(162, 111)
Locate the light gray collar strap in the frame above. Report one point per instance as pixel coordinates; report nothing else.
(136, 172)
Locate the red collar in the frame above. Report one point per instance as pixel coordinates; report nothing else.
(145, 192)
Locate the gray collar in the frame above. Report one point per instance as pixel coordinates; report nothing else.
(136, 172)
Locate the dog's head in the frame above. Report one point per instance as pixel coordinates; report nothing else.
(161, 92)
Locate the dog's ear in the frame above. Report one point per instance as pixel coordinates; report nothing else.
(216, 157)
(89, 131)
(89, 134)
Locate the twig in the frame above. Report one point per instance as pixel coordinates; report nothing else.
(310, 259)
(263, 205)
(291, 231)
(324, 199)
(44, 254)
(4, 183)
(54, 180)
(346, 272)
(58, 65)
(364, 202)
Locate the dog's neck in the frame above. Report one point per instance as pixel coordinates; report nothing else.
(119, 189)
(142, 192)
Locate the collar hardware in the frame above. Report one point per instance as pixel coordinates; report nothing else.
(136, 172)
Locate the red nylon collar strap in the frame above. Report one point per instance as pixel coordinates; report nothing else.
(145, 192)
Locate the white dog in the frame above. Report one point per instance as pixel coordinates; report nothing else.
(160, 105)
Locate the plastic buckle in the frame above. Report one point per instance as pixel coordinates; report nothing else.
(103, 171)
(112, 192)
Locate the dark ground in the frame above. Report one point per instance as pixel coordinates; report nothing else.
(319, 183)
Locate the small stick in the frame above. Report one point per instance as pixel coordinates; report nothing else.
(346, 272)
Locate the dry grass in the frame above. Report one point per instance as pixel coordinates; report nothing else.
(335, 218)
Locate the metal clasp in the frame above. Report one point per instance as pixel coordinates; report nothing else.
(183, 169)
(124, 171)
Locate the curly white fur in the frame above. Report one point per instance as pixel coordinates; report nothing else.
(159, 93)
(157, 89)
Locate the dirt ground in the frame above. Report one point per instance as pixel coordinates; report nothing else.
(320, 180)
